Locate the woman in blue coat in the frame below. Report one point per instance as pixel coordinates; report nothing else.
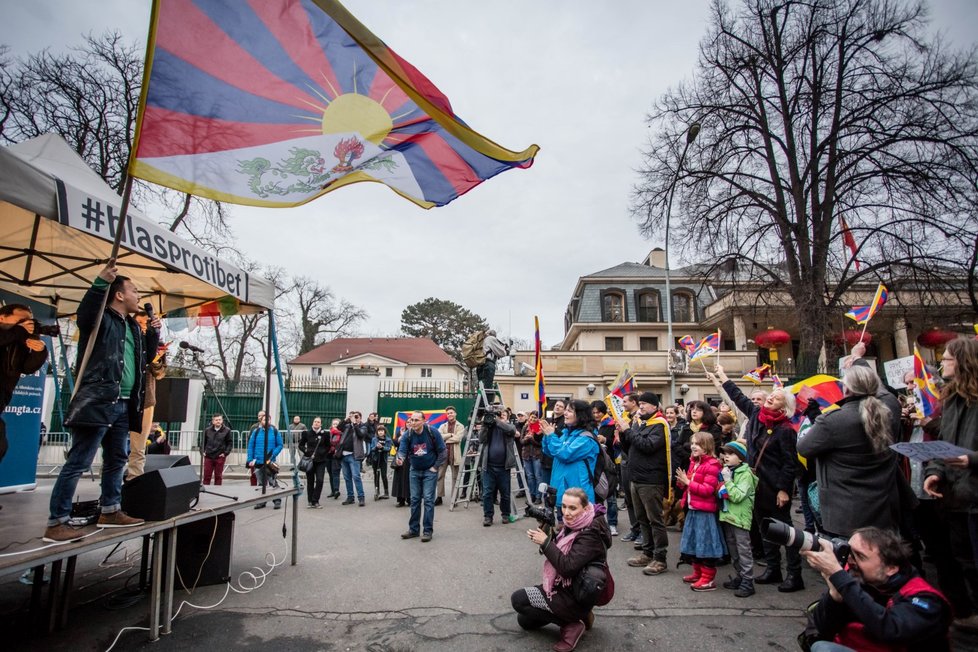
(574, 450)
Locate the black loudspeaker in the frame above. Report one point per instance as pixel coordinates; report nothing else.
(157, 462)
(204, 551)
(171, 400)
(162, 493)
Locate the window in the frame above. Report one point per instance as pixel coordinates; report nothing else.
(683, 307)
(317, 372)
(647, 305)
(614, 344)
(648, 344)
(388, 372)
(425, 372)
(612, 306)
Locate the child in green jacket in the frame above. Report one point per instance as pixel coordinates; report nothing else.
(737, 491)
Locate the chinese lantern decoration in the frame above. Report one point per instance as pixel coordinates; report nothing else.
(851, 337)
(771, 339)
(935, 338)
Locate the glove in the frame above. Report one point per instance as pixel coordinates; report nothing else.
(812, 409)
(726, 473)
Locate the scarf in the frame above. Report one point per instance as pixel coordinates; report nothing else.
(564, 540)
(695, 427)
(771, 418)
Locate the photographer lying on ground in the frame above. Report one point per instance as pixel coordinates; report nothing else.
(584, 539)
(879, 602)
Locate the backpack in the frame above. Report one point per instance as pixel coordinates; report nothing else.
(603, 478)
(473, 355)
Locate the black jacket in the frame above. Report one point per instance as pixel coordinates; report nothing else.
(895, 615)
(645, 446)
(15, 360)
(357, 437)
(98, 390)
(315, 444)
(217, 442)
(683, 439)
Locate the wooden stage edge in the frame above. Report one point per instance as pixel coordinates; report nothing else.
(24, 518)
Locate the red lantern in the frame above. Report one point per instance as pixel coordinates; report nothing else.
(851, 337)
(935, 338)
(772, 338)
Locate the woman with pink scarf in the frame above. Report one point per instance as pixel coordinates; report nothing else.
(585, 538)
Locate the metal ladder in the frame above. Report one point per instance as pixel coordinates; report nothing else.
(469, 486)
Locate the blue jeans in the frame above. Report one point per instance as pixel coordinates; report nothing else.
(84, 443)
(423, 485)
(545, 474)
(533, 477)
(351, 476)
(612, 506)
(495, 478)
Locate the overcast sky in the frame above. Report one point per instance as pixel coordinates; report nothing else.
(575, 77)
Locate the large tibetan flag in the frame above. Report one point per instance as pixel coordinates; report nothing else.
(275, 102)
(925, 389)
(539, 384)
(862, 314)
(707, 347)
(825, 389)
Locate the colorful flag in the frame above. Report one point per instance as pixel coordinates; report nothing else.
(539, 384)
(825, 389)
(776, 381)
(707, 347)
(624, 382)
(434, 418)
(688, 343)
(862, 314)
(849, 242)
(274, 103)
(758, 374)
(925, 389)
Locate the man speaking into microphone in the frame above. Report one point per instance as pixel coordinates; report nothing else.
(155, 370)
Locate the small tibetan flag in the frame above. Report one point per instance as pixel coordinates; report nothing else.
(688, 343)
(925, 389)
(539, 383)
(862, 314)
(707, 347)
(758, 374)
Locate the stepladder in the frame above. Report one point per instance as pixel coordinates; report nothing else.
(488, 407)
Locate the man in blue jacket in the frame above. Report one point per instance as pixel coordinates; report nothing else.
(425, 451)
(264, 445)
(108, 403)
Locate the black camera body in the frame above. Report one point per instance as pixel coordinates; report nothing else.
(51, 330)
(789, 536)
(544, 514)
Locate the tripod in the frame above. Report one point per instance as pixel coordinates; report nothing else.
(200, 441)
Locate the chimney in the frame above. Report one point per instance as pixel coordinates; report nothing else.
(656, 258)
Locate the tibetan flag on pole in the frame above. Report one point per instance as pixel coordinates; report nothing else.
(707, 347)
(925, 389)
(539, 385)
(274, 103)
(776, 381)
(688, 343)
(758, 374)
(825, 389)
(621, 386)
(862, 314)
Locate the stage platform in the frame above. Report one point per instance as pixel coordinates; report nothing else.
(24, 517)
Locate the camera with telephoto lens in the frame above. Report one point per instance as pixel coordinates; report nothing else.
(789, 536)
(51, 330)
(489, 416)
(544, 514)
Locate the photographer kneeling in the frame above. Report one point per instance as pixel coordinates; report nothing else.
(878, 602)
(584, 539)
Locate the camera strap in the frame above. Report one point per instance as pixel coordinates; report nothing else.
(760, 456)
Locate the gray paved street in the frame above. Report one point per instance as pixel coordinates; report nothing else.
(358, 586)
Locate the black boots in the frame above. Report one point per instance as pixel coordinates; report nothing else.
(771, 575)
(792, 583)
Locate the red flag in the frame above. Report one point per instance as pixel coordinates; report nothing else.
(849, 242)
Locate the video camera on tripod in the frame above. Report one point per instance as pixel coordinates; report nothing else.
(545, 514)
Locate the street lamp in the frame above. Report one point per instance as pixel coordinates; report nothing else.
(691, 134)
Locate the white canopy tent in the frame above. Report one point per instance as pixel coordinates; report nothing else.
(57, 222)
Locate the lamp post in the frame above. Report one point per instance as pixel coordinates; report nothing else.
(691, 134)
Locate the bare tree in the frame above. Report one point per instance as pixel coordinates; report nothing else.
(90, 97)
(320, 313)
(815, 111)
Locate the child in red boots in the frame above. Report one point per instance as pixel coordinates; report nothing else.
(702, 540)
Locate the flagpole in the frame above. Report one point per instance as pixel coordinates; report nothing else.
(116, 242)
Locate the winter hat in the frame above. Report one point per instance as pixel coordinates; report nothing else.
(737, 447)
(648, 397)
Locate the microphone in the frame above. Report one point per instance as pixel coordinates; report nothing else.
(148, 309)
(190, 347)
